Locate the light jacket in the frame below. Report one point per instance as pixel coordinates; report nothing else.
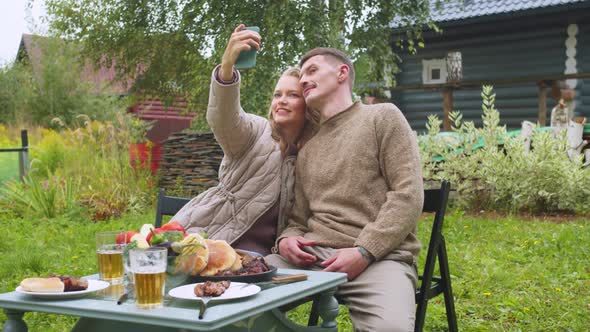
(252, 176)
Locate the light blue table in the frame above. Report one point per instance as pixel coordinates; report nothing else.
(257, 313)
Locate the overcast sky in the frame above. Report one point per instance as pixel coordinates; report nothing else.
(13, 24)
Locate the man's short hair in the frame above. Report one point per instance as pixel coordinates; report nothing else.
(333, 53)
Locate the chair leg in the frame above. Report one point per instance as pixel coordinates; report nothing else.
(424, 296)
(447, 289)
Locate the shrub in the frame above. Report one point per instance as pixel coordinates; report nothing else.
(490, 169)
(49, 154)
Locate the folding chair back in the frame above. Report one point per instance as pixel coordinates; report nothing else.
(435, 200)
(168, 205)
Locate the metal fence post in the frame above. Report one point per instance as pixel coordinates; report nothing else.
(23, 155)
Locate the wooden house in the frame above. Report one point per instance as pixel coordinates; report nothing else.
(531, 51)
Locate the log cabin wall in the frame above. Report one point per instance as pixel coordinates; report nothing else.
(583, 62)
(498, 48)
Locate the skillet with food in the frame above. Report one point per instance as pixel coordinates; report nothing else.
(248, 274)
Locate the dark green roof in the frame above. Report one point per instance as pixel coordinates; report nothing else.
(452, 10)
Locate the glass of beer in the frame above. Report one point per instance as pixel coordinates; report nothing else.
(110, 257)
(149, 274)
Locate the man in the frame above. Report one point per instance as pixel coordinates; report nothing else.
(358, 195)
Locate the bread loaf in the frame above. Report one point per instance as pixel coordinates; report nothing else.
(43, 285)
(221, 257)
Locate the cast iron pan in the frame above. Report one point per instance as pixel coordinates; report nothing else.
(247, 278)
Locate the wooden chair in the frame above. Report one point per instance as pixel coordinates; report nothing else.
(168, 205)
(435, 200)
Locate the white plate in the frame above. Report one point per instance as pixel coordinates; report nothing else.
(93, 286)
(235, 291)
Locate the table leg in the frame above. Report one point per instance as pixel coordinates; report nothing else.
(15, 322)
(328, 308)
(274, 320)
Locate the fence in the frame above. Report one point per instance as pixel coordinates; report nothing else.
(544, 83)
(23, 154)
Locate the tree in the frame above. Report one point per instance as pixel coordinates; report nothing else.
(171, 46)
(45, 83)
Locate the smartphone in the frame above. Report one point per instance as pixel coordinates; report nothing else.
(247, 59)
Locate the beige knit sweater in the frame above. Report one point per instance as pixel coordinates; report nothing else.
(359, 182)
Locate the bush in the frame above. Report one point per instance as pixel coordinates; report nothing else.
(491, 170)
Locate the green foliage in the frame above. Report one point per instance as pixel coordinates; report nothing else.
(172, 46)
(80, 171)
(138, 128)
(16, 89)
(41, 198)
(48, 85)
(491, 170)
(49, 155)
(8, 161)
(543, 180)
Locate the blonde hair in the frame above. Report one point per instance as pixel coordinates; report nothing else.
(310, 127)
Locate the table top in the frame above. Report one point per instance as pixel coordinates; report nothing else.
(181, 313)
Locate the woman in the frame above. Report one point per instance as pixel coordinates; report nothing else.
(249, 206)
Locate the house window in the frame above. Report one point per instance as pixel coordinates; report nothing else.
(435, 74)
(434, 71)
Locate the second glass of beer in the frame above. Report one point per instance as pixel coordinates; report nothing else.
(110, 257)
(149, 274)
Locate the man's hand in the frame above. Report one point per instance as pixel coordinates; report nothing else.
(347, 260)
(290, 248)
(240, 40)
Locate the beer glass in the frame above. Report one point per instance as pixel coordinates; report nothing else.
(110, 257)
(149, 274)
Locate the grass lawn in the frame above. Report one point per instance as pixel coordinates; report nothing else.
(8, 166)
(508, 274)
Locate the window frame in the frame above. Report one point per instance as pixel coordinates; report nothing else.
(430, 64)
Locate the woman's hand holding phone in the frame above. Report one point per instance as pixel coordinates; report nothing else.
(241, 40)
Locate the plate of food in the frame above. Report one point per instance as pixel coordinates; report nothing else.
(214, 291)
(60, 287)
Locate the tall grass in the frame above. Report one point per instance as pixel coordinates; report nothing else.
(80, 171)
